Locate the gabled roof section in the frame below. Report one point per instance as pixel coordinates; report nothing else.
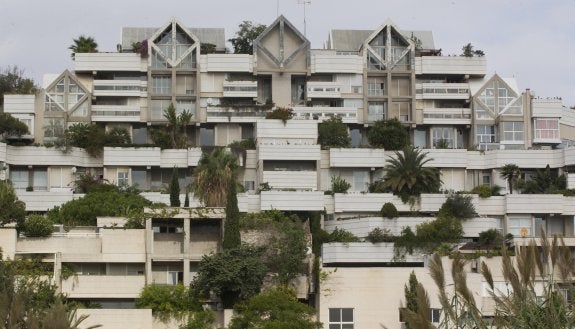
(283, 59)
(215, 36)
(352, 40)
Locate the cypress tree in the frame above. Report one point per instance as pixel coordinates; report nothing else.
(187, 200)
(411, 295)
(232, 238)
(174, 189)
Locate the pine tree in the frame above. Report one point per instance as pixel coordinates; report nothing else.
(174, 189)
(232, 237)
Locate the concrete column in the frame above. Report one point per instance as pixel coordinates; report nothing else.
(149, 250)
(58, 271)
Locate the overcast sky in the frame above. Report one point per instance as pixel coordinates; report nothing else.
(531, 40)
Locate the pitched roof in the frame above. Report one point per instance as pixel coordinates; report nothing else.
(214, 36)
(351, 40)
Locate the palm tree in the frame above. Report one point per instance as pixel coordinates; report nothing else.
(510, 172)
(83, 44)
(212, 176)
(177, 126)
(58, 317)
(407, 177)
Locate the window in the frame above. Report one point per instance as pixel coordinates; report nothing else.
(513, 131)
(360, 181)
(185, 105)
(400, 87)
(175, 277)
(161, 85)
(400, 110)
(40, 179)
(19, 178)
(341, 318)
(158, 106)
(375, 87)
(185, 84)
(123, 178)
(376, 111)
(207, 136)
(517, 223)
(53, 128)
(485, 134)
(546, 128)
(442, 137)
(434, 315)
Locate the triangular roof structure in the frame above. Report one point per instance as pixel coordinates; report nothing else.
(283, 59)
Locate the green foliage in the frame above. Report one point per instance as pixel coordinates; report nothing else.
(84, 211)
(245, 144)
(287, 250)
(388, 210)
(37, 226)
(232, 238)
(388, 134)
(10, 126)
(207, 48)
(243, 42)
(378, 187)
(406, 176)
(264, 187)
(510, 172)
(59, 317)
(406, 242)
(281, 113)
(491, 237)
(212, 176)
(339, 185)
(442, 144)
(12, 81)
(333, 133)
(161, 138)
(83, 44)
(166, 302)
(468, 51)
(233, 275)
(545, 181)
(187, 200)
(174, 189)
(176, 127)
(274, 309)
(93, 137)
(441, 230)
(486, 191)
(411, 297)
(341, 235)
(458, 206)
(13, 210)
(378, 235)
(201, 319)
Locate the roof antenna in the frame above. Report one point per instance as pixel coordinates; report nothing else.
(304, 3)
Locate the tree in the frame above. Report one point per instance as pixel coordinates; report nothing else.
(176, 126)
(545, 181)
(243, 42)
(13, 210)
(10, 126)
(207, 48)
(410, 293)
(388, 134)
(166, 302)
(333, 133)
(93, 138)
(233, 275)
(459, 206)
(287, 250)
(174, 189)
(407, 177)
(58, 317)
(273, 309)
(83, 44)
(510, 172)
(467, 50)
(37, 226)
(212, 175)
(107, 201)
(232, 238)
(12, 81)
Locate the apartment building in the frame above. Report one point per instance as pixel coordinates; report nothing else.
(469, 122)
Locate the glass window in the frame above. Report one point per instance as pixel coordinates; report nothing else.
(360, 181)
(123, 178)
(400, 110)
(376, 86)
(442, 137)
(140, 178)
(157, 108)
(19, 178)
(485, 135)
(40, 179)
(207, 136)
(518, 223)
(53, 129)
(356, 138)
(185, 105)
(434, 315)
(341, 318)
(140, 134)
(546, 128)
(400, 87)
(513, 131)
(376, 111)
(162, 85)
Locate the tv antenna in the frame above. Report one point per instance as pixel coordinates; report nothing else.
(304, 3)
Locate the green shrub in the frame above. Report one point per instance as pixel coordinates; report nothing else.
(486, 191)
(339, 185)
(246, 144)
(388, 134)
(388, 210)
(458, 206)
(378, 187)
(37, 226)
(333, 133)
(281, 113)
(379, 235)
(491, 237)
(165, 301)
(341, 235)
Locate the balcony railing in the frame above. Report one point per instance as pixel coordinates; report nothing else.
(119, 87)
(323, 89)
(121, 113)
(442, 91)
(236, 113)
(347, 114)
(447, 116)
(241, 89)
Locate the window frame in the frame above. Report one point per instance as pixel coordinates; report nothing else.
(339, 323)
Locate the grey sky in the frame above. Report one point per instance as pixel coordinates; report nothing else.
(531, 40)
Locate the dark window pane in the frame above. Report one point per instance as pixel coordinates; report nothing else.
(334, 315)
(347, 314)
